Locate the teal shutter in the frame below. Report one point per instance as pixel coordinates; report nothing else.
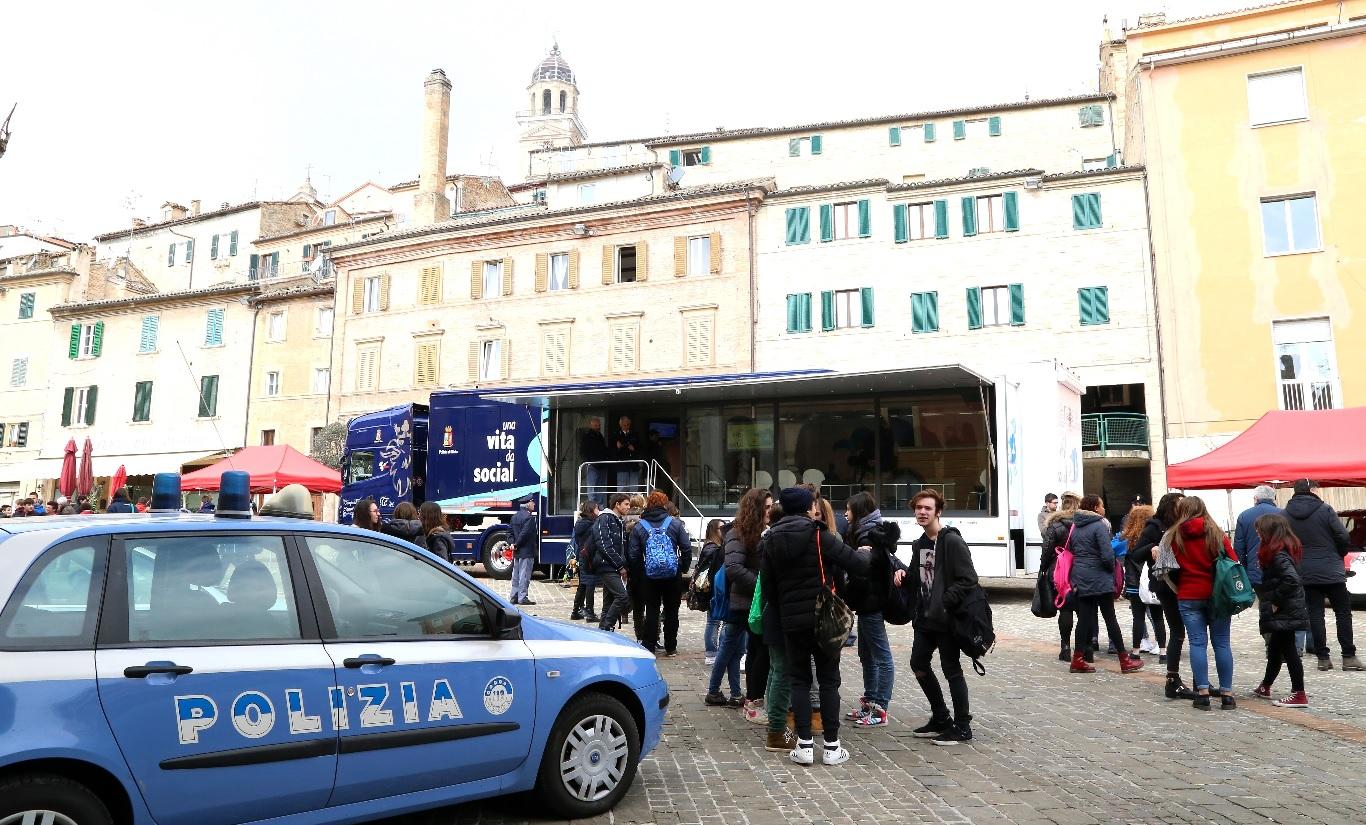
(865, 218)
(931, 312)
(308, 251)
(1017, 316)
(1086, 306)
(827, 310)
(26, 302)
(969, 216)
(899, 232)
(274, 264)
(806, 312)
(232, 243)
(208, 396)
(929, 132)
(894, 136)
(974, 307)
(816, 144)
(705, 155)
(1111, 160)
(917, 312)
(798, 225)
(794, 147)
(827, 222)
(213, 248)
(941, 219)
(994, 126)
(170, 255)
(1086, 211)
(1095, 209)
(147, 340)
(960, 129)
(189, 250)
(794, 309)
(675, 157)
(97, 340)
(1102, 299)
(68, 395)
(142, 401)
(73, 349)
(92, 395)
(1079, 212)
(1012, 210)
(866, 299)
(254, 271)
(213, 328)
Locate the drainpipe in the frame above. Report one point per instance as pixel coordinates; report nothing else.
(246, 423)
(1157, 320)
(750, 210)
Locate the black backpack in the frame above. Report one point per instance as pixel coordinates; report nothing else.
(972, 629)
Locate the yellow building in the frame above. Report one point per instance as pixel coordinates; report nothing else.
(1252, 126)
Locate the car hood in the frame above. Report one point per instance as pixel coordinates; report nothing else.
(536, 628)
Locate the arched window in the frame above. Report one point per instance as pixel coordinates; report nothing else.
(564, 98)
(545, 102)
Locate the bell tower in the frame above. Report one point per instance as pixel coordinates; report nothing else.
(550, 114)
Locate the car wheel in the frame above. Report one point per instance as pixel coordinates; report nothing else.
(498, 555)
(590, 758)
(45, 799)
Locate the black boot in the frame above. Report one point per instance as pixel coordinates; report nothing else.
(1065, 655)
(1176, 689)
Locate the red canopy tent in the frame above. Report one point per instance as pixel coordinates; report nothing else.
(271, 468)
(1328, 446)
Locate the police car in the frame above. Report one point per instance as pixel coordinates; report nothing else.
(205, 670)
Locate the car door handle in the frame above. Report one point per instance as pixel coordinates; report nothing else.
(140, 671)
(362, 661)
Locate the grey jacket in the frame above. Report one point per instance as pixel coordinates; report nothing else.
(1093, 559)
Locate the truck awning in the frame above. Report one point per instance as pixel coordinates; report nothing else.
(739, 387)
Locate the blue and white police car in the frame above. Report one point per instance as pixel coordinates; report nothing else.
(204, 670)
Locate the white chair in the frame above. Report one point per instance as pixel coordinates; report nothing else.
(813, 476)
(787, 478)
(763, 479)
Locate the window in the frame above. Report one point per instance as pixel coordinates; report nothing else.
(18, 372)
(267, 438)
(1086, 211)
(1093, 115)
(78, 406)
(559, 271)
(1093, 305)
(564, 101)
(624, 355)
(812, 146)
(429, 285)
(378, 591)
(1306, 364)
(924, 312)
(272, 383)
(1091, 164)
(232, 587)
(696, 157)
(360, 466)
(330, 217)
(170, 255)
(995, 306)
(314, 433)
(14, 434)
(213, 328)
(223, 246)
(990, 214)
(26, 302)
(491, 360)
(426, 363)
(699, 255)
(275, 326)
(1276, 97)
(371, 286)
(264, 266)
(142, 401)
(323, 326)
(545, 102)
(55, 603)
(538, 196)
(587, 193)
(189, 250)
(918, 221)
(799, 312)
(493, 279)
(322, 380)
(89, 338)
(208, 396)
(698, 331)
(1290, 225)
(367, 366)
(555, 351)
(845, 308)
(147, 336)
(841, 221)
(626, 264)
(798, 220)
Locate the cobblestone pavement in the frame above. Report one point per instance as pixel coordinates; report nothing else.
(1048, 747)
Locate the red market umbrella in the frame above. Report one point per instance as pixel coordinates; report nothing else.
(271, 468)
(66, 484)
(85, 477)
(117, 481)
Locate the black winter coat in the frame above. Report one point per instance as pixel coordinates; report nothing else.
(1093, 559)
(954, 578)
(526, 534)
(788, 559)
(742, 571)
(609, 537)
(583, 540)
(1143, 553)
(1324, 538)
(1281, 588)
(868, 596)
(405, 528)
(1055, 536)
(440, 545)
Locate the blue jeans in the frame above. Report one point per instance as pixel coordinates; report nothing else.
(1203, 627)
(710, 634)
(875, 654)
(521, 578)
(734, 639)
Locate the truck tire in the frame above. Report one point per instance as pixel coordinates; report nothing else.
(43, 797)
(497, 555)
(590, 758)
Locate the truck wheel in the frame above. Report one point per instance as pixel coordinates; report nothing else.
(47, 799)
(498, 555)
(590, 758)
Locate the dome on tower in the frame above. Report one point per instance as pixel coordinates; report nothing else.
(553, 67)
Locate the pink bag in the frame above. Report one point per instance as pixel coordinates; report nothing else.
(1062, 571)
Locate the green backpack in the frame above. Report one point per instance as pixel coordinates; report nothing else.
(1232, 588)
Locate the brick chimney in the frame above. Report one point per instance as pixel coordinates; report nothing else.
(431, 205)
(194, 209)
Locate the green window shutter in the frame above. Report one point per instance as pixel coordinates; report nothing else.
(796, 226)
(1078, 212)
(1086, 305)
(960, 129)
(213, 328)
(1086, 211)
(675, 157)
(208, 396)
(827, 310)
(1111, 160)
(68, 395)
(865, 218)
(974, 308)
(1095, 209)
(804, 224)
(794, 147)
(894, 136)
(994, 126)
(274, 264)
(917, 312)
(941, 219)
(91, 396)
(254, 271)
(147, 340)
(899, 232)
(794, 309)
(929, 132)
(866, 299)
(74, 348)
(1017, 316)
(969, 216)
(1012, 210)
(142, 401)
(706, 155)
(232, 243)
(170, 255)
(1102, 305)
(931, 311)
(806, 312)
(189, 250)
(26, 302)
(213, 248)
(308, 251)
(816, 144)
(97, 340)
(827, 222)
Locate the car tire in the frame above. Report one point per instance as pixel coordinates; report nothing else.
(584, 770)
(495, 543)
(68, 799)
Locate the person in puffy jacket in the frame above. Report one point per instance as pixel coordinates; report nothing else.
(1134, 523)
(660, 591)
(1195, 540)
(1142, 553)
(120, 503)
(1283, 609)
(874, 648)
(437, 538)
(1054, 536)
(588, 580)
(1093, 585)
(741, 562)
(609, 559)
(405, 524)
(1325, 577)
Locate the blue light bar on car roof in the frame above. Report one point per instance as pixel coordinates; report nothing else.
(165, 493)
(234, 495)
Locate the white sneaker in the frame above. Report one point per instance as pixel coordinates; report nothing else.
(1148, 645)
(756, 711)
(742, 662)
(833, 754)
(804, 753)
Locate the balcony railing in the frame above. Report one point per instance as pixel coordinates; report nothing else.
(1114, 431)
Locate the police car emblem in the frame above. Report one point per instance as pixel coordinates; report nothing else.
(498, 696)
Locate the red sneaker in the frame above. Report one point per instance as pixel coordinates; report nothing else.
(1262, 692)
(1298, 699)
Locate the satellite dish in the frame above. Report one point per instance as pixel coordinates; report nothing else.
(675, 175)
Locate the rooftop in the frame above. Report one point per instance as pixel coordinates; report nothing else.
(563, 177)
(152, 227)
(554, 67)
(156, 297)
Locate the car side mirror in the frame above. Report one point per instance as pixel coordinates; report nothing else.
(507, 623)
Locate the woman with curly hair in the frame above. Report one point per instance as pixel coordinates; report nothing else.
(742, 570)
(1134, 523)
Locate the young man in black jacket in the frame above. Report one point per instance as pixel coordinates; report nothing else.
(942, 574)
(609, 535)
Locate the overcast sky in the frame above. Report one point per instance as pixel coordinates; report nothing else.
(125, 105)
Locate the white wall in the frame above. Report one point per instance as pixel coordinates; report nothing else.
(148, 251)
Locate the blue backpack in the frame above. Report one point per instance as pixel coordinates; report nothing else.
(661, 558)
(720, 598)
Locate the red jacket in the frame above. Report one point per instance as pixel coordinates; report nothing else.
(1196, 580)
